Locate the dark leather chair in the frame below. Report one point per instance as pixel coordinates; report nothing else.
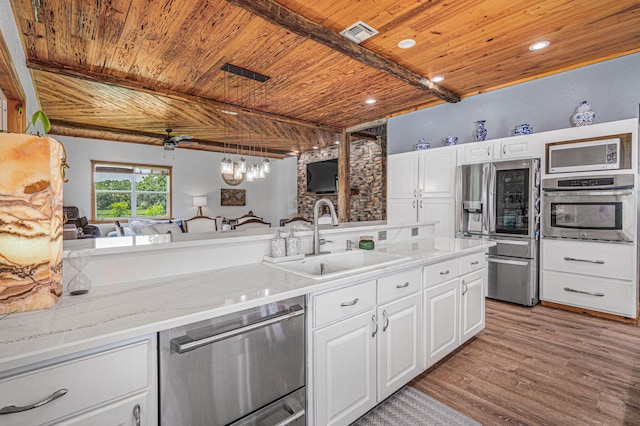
(72, 215)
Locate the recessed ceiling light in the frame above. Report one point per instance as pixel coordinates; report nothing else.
(337, 142)
(224, 111)
(539, 45)
(407, 43)
(370, 101)
(437, 78)
(315, 147)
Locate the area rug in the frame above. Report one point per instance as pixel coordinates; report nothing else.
(410, 407)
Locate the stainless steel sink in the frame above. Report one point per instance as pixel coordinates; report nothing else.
(333, 265)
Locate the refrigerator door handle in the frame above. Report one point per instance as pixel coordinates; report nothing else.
(507, 262)
(485, 192)
(491, 203)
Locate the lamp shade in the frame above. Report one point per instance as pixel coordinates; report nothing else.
(199, 201)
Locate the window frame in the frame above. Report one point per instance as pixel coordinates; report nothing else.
(133, 191)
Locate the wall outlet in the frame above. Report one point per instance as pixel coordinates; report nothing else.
(414, 232)
(382, 235)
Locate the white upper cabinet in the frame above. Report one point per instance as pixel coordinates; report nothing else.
(402, 175)
(437, 172)
(515, 148)
(475, 152)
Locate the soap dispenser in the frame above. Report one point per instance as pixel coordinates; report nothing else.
(278, 246)
(292, 244)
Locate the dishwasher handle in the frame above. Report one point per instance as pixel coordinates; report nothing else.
(185, 343)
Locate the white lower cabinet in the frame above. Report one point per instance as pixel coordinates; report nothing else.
(344, 356)
(454, 305)
(361, 360)
(399, 344)
(115, 385)
(441, 324)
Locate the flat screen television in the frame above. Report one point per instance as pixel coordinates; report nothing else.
(322, 176)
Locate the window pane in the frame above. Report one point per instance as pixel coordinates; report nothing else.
(113, 181)
(112, 205)
(151, 205)
(155, 183)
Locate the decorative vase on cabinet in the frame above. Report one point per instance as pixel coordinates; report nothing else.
(583, 116)
(481, 131)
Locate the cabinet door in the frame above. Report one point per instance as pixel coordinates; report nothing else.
(345, 369)
(441, 209)
(441, 313)
(402, 175)
(471, 305)
(437, 172)
(402, 211)
(477, 152)
(516, 147)
(399, 344)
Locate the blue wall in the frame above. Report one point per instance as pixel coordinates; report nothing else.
(612, 88)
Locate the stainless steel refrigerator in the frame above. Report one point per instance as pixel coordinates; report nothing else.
(500, 201)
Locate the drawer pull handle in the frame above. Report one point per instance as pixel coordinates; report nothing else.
(353, 302)
(584, 292)
(465, 287)
(13, 409)
(444, 272)
(475, 263)
(405, 285)
(573, 259)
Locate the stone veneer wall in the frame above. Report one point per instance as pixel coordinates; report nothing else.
(368, 181)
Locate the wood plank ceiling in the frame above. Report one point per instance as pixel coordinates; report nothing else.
(128, 69)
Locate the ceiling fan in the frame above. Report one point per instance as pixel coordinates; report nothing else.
(170, 142)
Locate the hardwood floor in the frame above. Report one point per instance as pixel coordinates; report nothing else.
(542, 366)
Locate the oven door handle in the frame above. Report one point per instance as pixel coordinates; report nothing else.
(507, 262)
(586, 193)
(185, 343)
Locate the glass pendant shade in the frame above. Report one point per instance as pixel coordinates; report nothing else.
(266, 165)
(243, 165)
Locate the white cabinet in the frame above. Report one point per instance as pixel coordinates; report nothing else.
(516, 147)
(345, 370)
(117, 385)
(454, 305)
(399, 344)
(475, 152)
(441, 307)
(421, 187)
(471, 305)
(362, 358)
(590, 275)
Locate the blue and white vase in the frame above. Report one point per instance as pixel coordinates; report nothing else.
(523, 129)
(481, 131)
(422, 144)
(583, 116)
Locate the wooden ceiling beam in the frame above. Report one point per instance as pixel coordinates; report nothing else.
(298, 24)
(65, 128)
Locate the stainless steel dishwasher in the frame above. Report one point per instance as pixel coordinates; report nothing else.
(245, 368)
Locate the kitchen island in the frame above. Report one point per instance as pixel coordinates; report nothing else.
(127, 313)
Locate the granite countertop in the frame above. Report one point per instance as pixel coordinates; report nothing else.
(112, 313)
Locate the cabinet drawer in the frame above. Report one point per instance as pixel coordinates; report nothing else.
(344, 302)
(90, 381)
(472, 262)
(588, 258)
(616, 297)
(398, 285)
(441, 272)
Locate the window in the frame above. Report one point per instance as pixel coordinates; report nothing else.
(130, 190)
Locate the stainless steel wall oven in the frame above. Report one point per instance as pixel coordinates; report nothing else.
(599, 208)
(245, 368)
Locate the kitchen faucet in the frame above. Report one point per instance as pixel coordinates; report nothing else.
(334, 222)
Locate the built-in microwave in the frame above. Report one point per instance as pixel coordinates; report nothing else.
(601, 154)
